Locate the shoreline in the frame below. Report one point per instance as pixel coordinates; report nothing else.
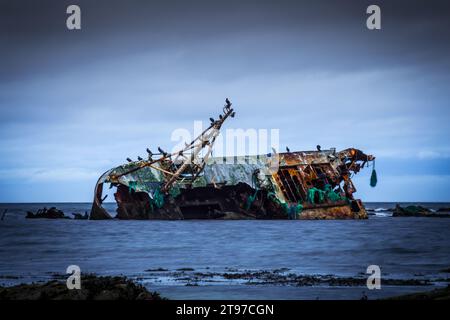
(232, 284)
(436, 294)
(93, 288)
(114, 288)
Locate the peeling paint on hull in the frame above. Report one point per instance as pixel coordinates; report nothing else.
(185, 185)
(227, 197)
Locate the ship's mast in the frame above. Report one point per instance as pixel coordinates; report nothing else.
(187, 163)
(194, 162)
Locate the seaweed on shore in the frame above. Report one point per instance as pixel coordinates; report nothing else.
(283, 278)
(92, 288)
(436, 294)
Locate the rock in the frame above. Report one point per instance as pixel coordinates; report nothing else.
(185, 269)
(436, 294)
(51, 213)
(410, 211)
(443, 210)
(92, 288)
(30, 215)
(79, 216)
(107, 295)
(416, 211)
(156, 270)
(144, 296)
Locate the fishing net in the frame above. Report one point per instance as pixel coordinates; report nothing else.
(294, 210)
(331, 195)
(158, 199)
(312, 195)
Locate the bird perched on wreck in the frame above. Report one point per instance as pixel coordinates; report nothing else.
(185, 186)
(161, 151)
(139, 158)
(150, 154)
(227, 106)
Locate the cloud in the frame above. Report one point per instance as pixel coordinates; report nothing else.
(432, 154)
(404, 188)
(75, 104)
(34, 175)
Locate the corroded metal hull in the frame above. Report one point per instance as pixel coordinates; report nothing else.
(304, 185)
(190, 184)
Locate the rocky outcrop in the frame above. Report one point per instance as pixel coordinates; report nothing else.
(410, 211)
(416, 211)
(51, 213)
(92, 288)
(436, 294)
(79, 216)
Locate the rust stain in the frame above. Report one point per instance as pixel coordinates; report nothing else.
(190, 184)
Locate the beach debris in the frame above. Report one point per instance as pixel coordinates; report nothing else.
(192, 184)
(51, 213)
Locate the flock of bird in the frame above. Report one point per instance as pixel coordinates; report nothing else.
(226, 109)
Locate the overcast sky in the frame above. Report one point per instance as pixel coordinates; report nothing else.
(76, 103)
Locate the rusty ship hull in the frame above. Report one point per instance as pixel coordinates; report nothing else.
(237, 191)
(185, 185)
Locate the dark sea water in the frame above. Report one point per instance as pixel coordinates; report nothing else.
(153, 252)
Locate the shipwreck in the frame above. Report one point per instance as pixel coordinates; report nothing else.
(192, 184)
